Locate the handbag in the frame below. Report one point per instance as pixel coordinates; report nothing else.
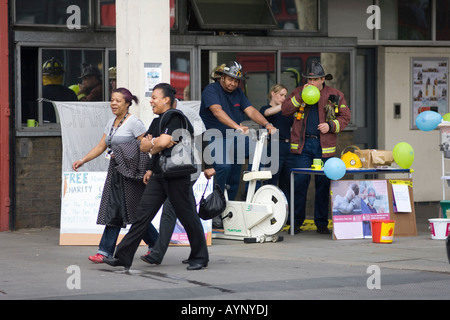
(177, 161)
(116, 214)
(213, 205)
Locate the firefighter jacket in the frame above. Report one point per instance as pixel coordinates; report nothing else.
(332, 109)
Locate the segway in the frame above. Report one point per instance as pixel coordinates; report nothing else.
(263, 214)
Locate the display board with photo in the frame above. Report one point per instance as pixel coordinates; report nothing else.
(355, 203)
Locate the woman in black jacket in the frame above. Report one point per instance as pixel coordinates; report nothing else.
(159, 188)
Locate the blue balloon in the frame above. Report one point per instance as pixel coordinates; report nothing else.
(428, 120)
(334, 168)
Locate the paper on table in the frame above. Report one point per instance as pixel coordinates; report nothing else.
(401, 196)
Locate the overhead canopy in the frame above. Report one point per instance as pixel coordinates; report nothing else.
(234, 14)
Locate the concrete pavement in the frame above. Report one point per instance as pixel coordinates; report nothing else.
(304, 266)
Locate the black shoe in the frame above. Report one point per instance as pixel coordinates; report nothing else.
(149, 259)
(197, 266)
(114, 262)
(323, 230)
(185, 261)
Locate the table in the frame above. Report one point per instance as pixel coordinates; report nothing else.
(295, 171)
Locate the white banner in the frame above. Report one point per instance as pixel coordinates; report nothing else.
(82, 126)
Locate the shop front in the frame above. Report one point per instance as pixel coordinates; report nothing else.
(370, 66)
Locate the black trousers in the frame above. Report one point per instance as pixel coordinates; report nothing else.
(178, 191)
(166, 227)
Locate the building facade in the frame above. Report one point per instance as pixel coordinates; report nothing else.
(368, 45)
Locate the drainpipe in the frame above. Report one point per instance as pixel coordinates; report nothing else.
(4, 117)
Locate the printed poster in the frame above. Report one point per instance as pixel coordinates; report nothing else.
(429, 86)
(355, 203)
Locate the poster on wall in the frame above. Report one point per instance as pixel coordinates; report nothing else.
(429, 86)
(82, 126)
(355, 203)
(153, 76)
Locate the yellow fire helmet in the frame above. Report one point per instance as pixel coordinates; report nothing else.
(350, 159)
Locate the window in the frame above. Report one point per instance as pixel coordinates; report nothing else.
(294, 64)
(233, 14)
(51, 12)
(60, 75)
(349, 19)
(419, 20)
(443, 20)
(180, 70)
(259, 69)
(107, 13)
(300, 15)
(405, 20)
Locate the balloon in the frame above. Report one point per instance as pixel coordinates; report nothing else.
(310, 95)
(428, 120)
(403, 154)
(75, 88)
(334, 168)
(446, 117)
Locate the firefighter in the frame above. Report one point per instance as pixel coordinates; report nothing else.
(53, 88)
(313, 135)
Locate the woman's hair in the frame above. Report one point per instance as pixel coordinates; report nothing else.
(127, 95)
(168, 91)
(276, 88)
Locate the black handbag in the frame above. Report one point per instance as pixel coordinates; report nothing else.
(177, 161)
(116, 210)
(213, 205)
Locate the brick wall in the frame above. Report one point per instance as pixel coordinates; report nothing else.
(38, 182)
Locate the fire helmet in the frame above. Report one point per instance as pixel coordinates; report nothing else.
(52, 67)
(233, 69)
(350, 159)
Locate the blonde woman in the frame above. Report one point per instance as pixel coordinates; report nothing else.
(272, 112)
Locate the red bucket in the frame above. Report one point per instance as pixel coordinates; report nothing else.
(383, 231)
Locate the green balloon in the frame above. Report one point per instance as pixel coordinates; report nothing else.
(446, 117)
(310, 95)
(403, 155)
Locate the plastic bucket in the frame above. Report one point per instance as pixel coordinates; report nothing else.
(440, 228)
(382, 231)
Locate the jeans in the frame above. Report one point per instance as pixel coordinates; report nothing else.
(110, 235)
(229, 155)
(311, 150)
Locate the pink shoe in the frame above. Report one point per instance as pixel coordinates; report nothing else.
(98, 258)
(148, 252)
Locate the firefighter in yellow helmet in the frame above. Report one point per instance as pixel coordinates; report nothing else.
(53, 88)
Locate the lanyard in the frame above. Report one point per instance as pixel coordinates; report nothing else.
(112, 132)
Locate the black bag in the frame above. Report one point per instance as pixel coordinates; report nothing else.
(177, 161)
(116, 210)
(213, 205)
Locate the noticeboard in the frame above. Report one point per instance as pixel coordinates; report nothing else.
(355, 203)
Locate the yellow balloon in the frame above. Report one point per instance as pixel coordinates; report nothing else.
(310, 95)
(403, 155)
